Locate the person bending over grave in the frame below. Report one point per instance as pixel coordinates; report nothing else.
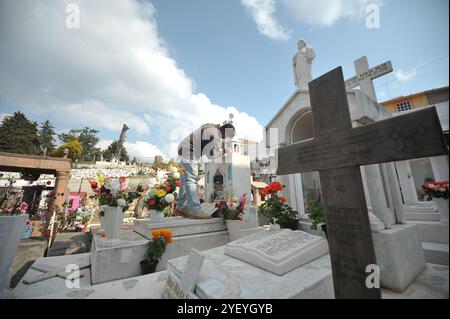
(205, 143)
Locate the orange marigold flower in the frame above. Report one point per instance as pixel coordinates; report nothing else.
(156, 233)
(169, 240)
(181, 169)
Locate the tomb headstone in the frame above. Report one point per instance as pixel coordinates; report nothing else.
(337, 151)
(183, 288)
(278, 251)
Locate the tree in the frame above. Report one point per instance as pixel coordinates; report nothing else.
(88, 139)
(18, 134)
(108, 154)
(46, 139)
(75, 149)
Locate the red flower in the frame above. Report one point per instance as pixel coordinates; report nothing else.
(276, 186)
(151, 202)
(122, 178)
(283, 199)
(177, 183)
(168, 188)
(49, 182)
(93, 183)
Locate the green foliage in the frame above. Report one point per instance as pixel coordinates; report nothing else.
(74, 147)
(155, 249)
(316, 210)
(46, 139)
(88, 139)
(277, 212)
(18, 135)
(108, 154)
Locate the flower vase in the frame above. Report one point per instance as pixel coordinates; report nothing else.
(112, 221)
(234, 229)
(156, 216)
(11, 229)
(442, 206)
(147, 268)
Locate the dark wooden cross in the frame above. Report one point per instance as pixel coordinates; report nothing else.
(336, 151)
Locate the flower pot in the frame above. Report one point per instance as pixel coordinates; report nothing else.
(37, 228)
(84, 229)
(147, 268)
(11, 230)
(112, 221)
(442, 206)
(292, 224)
(156, 216)
(27, 229)
(234, 229)
(324, 229)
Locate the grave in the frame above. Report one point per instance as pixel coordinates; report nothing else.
(337, 151)
(224, 277)
(278, 251)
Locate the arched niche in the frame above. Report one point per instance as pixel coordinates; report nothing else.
(302, 128)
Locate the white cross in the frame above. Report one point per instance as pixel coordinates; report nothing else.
(364, 76)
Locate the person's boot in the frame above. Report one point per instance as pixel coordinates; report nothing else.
(182, 212)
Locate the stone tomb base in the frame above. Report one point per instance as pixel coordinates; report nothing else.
(117, 259)
(224, 277)
(399, 255)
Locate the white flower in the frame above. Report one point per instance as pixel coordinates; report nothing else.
(169, 198)
(174, 169)
(113, 186)
(176, 175)
(121, 202)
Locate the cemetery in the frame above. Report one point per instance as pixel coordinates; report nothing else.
(338, 217)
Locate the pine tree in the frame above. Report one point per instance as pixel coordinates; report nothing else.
(111, 150)
(19, 135)
(46, 139)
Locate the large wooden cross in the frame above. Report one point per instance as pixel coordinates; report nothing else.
(336, 151)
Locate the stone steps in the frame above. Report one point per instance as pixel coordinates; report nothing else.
(433, 232)
(436, 253)
(421, 216)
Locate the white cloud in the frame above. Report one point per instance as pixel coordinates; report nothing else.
(103, 144)
(320, 13)
(114, 69)
(262, 12)
(138, 149)
(143, 150)
(405, 75)
(2, 116)
(327, 12)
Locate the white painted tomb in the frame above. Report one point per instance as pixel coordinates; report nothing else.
(278, 251)
(180, 226)
(229, 174)
(225, 277)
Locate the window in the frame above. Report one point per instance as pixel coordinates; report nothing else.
(403, 106)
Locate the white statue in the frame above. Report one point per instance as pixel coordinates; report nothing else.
(302, 62)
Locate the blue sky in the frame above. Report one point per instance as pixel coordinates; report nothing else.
(166, 66)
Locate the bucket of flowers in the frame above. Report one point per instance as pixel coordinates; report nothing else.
(275, 209)
(155, 249)
(113, 196)
(160, 197)
(438, 193)
(232, 210)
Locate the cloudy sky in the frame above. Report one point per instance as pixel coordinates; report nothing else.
(165, 67)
